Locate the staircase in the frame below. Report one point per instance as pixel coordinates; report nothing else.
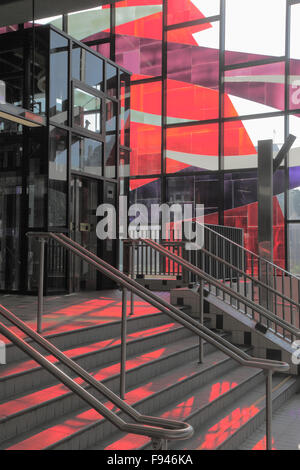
(223, 401)
(223, 398)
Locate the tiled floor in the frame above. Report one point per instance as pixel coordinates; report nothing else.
(79, 310)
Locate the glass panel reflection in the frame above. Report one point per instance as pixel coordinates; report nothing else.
(125, 110)
(293, 244)
(110, 140)
(57, 197)
(111, 80)
(87, 67)
(58, 78)
(86, 155)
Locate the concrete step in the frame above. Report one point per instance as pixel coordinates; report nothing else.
(23, 412)
(204, 401)
(234, 423)
(18, 378)
(286, 429)
(73, 334)
(78, 431)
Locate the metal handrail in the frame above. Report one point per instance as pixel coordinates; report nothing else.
(250, 277)
(156, 301)
(223, 287)
(178, 316)
(249, 252)
(223, 261)
(156, 428)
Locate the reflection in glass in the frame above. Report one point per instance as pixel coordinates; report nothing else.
(125, 110)
(87, 111)
(57, 197)
(111, 80)
(11, 153)
(195, 189)
(11, 74)
(241, 137)
(40, 70)
(58, 78)
(294, 252)
(147, 192)
(87, 67)
(110, 140)
(86, 155)
(37, 178)
(124, 163)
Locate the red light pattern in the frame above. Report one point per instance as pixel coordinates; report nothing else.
(227, 426)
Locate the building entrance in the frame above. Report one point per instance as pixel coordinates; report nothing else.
(85, 198)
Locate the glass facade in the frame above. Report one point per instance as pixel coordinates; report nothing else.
(204, 90)
(53, 177)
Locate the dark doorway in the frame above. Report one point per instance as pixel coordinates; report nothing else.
(85, 198)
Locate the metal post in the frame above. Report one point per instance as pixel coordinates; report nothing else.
(123, 344)
(201, 320)
(131, 269)
(41, 286)
(269, 437)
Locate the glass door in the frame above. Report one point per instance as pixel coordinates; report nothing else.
(85, 198)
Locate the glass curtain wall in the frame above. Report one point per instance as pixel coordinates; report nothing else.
(205, 90)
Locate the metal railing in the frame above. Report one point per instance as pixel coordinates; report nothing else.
(259, 280)
(229, 291)
(198, 328)
(281, 293)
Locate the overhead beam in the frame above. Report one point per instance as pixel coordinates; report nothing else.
(20, 11)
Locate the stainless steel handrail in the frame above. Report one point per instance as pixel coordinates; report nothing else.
(260, 283)
(156, 428)
(159, 429)
(161, 304)
(195, 270)
(199, 329)
(223, 287)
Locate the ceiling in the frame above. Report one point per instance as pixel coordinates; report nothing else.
(20, 11)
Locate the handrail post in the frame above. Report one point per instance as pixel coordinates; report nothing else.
(131, 273)
(42, 242)
(201, 320)
(269, 437)
(123, 344)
